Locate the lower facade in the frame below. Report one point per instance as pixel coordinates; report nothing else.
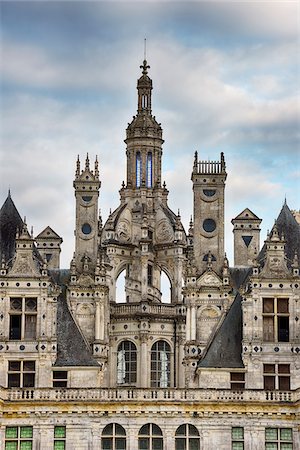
(147, 419)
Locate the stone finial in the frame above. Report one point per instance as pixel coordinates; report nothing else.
(196, 160)
(77, 173)
(87, 163)
(96, 168)
(145, 67)
(223, 165)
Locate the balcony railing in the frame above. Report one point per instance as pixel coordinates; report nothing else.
(148, 395)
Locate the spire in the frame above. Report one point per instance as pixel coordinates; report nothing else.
(96, 168)
(77, 173)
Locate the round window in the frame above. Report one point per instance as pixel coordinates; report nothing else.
(209, 192)
(86, 228)
(209, 225)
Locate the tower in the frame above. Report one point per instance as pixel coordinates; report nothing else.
(246, 233)
(86, 185)
(208, 179)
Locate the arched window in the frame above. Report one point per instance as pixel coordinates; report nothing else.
(165, 288)
(187, 438)
(126, 363)
(149, 170)
(113, 437)
(160, 364)
(144, 101)
(138, 163)
(150, 437)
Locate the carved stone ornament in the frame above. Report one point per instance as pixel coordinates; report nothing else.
(164, 232)
(209, 313)
(209, 279)
(123, 231)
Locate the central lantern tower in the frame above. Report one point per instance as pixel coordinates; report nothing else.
(144, 140)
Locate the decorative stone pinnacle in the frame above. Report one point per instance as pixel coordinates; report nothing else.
(87, 163)
(77, 173)
(145, 67)
(96, 167)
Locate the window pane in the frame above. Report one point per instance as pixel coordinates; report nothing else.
(283, 329)
(119, 430)
(60, 432)
(271, 446)
(108, 430)
(30, 304)
(14, 366)
(283, 305)
(11, 432)
(235, 376)
(26, 432)
(156, 430)
(180, 444)
(237, 433)
(144, 444)
(286, 434)
(283, 368)
(194, 444)
(60, 383)
(157, 444)
(11, 445)
(269, 368)
(16, 304)
(120, 444)
(193, 430)
(60, 375)
(268, 305)
(181, 430)
(271, 434)
(268, 326)
(284, 383)
(237, 446)
(286, 446)
(29, 366)
(15, 327)
(269, 383)
(28, 380)
(59, 445)
(30, 326)
(13, 380)
(26, 445)
(107, 444)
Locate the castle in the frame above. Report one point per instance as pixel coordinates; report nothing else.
(215, 364)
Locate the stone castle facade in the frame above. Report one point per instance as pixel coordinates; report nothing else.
(213, 365)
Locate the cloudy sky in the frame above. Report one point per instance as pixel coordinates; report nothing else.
(226, 78)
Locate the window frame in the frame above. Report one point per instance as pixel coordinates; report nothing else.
(114, 436)
(21, 372)
(274, 317)
(23, 314)
(187, 436)
(277, 376)
(59, 439)
(138, 169)
(155, 365)
(60, 380)
(151, 437)
(235, 440)
(18, 439)
(237, 384)
(129, 363)
(278, 441)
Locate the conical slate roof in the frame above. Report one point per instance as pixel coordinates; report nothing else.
(289, 229)
(10, 222)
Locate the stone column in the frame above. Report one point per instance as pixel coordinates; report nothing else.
(144, 372)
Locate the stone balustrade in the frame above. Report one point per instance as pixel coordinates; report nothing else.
(128, 309)
(147, 395)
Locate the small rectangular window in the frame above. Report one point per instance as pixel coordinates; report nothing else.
(60, 378)
(59, 438)
(237, 438)
(150, 275)
(275, 313)
(278, 438)
(21, 374)
(18, 438)
(276, 377)
(237, 380)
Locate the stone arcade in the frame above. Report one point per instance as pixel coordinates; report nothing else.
(214, 366)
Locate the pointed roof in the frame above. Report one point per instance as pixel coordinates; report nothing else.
(225, 349)
(48, 233)
(247, 214)
(289, 229)
(10, 222)
(71, 347)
